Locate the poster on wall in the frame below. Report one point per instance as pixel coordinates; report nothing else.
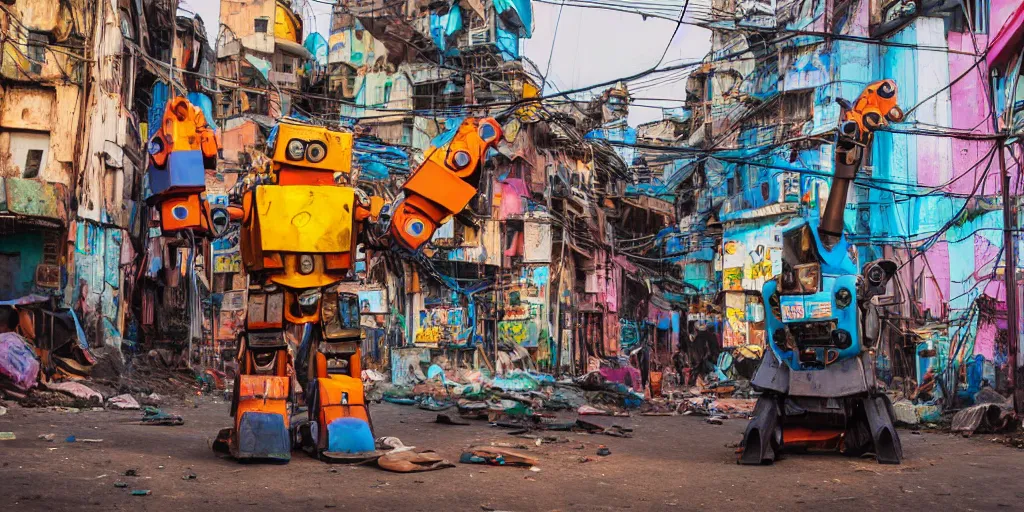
(227, 254)
(751, 257)
(372, 302)
(735, 332)
(229, 324)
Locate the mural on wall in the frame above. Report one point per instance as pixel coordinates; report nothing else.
(735, 333)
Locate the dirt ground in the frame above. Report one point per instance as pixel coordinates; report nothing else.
(672, 463)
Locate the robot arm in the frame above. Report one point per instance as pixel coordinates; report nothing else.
(873, 109)
(444, 184)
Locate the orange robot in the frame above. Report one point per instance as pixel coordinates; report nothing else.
(180, 151)
(298, 241)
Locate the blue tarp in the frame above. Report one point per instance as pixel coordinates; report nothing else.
(508, 44)
(517, 15)
(444, 26)
(317, 46)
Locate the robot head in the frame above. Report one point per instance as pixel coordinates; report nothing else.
(311, 148)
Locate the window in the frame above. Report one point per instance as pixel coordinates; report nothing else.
(33, 161)
(37, 42)
(260, 25)
(970, 14)
(28, 152)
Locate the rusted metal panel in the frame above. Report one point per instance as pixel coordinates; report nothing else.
(27, 108)
(29, 115)
(34, 198)
(64, 130)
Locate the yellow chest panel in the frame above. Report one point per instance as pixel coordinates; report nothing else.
(305, 219)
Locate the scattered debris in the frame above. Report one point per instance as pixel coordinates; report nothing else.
(191, 475)
(90, 440)
(446, 419)
(154, 416)
(131, 472)
(983, 418)
(120, 485)
(412, 462)
(393, 444)
(6, 436)
(3, 410)
(713, 421)
(123, 402)
(76, 390)
(18, 363)
(496, 457)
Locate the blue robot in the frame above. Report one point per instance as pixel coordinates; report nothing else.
(817, 380)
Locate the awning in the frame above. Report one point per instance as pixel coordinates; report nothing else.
(293, 48)
(261, 65)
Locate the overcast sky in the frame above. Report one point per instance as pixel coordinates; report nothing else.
(591, 46)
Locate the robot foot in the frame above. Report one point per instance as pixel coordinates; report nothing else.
(222, 444)
(763, 437)
(886, 440)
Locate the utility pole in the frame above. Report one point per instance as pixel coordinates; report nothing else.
(1010, 276)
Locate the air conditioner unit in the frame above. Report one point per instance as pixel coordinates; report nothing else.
(480, 36)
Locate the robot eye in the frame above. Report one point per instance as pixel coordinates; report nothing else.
(414, 227)
(487, 132)
(179, 212)
(461, 159)
(296, 148)
(316, 152)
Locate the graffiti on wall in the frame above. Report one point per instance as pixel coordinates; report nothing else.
(524, 321)
(441, 325)
(519, 332)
